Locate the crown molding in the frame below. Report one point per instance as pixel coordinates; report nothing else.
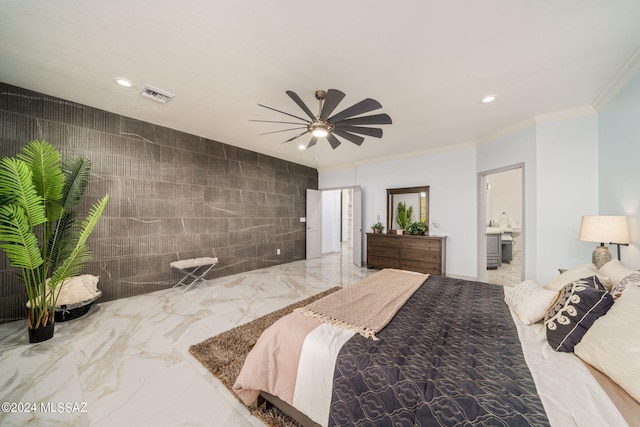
(507, 131)
(412, 154)
(585, 110)
(622, 77)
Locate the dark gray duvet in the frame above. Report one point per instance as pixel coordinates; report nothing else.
(450, 357)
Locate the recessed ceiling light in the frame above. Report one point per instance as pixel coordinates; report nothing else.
(301, 147)
(123, 82)
(487, 99)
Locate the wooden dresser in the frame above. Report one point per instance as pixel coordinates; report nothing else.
(425, 254)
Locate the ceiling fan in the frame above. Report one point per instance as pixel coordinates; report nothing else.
(343, 124)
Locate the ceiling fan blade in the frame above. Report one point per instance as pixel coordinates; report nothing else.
(283, 130)
(296, 137)
(312, 142)
(375, 132)
(291, 115)
(358, 140)
(361, 107)
(376, 119)
(274, 121)
(331, 101)
(333, 141)
(301, 104)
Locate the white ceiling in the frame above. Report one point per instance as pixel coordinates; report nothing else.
(427, 62)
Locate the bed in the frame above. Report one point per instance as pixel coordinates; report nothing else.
(452, 353)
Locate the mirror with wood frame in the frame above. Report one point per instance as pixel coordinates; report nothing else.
(415, 197)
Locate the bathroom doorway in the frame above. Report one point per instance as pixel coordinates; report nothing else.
(501, 225)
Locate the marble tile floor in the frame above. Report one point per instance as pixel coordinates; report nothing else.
(508, 274)
(126, 362)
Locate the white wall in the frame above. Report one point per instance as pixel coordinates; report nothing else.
(567, 188)
(452, 197)
(331, 221)
(346, 230)
(505, 196)
(619, 167)
(512, 149)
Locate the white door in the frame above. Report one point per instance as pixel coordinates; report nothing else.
(314, 223)
(357, 227)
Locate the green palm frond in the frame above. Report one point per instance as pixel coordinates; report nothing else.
(16, 183)
(68, 267)
(61, 243)
(44, 161)
(76, 173)
(19, 241)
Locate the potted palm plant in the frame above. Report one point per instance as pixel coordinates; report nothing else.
(38, 231)
(403, 216)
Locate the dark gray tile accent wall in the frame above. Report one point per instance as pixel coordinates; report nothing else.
(173, 196)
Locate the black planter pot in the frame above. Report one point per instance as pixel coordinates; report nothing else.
(42, 333)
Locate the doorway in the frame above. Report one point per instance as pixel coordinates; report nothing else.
(341, 223)
(501, 217)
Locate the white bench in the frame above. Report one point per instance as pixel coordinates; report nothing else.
(194, 268)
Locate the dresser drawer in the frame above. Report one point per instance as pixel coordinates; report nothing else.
(424, 254)
(421, 244)
(383, 251)
(381, 262)
(421, 266)
(384, 240)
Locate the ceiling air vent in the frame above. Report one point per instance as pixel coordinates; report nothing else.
(156, 94)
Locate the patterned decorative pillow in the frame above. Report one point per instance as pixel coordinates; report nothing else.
(579, 304)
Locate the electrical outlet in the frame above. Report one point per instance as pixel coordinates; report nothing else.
(277, 251)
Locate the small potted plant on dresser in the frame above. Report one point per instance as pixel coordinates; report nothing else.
(38, 232)
(419, 228)
(377, 227)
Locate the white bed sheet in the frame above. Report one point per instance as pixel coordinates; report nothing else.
(571, 396)
(314, 382)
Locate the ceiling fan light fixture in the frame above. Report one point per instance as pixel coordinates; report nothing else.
(319, 132)
(348, 124)
(320, 129)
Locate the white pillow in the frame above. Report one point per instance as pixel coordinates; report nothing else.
(529, 301)
(612, 344)
(77, 289)
(616, 271)
(577, 273)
